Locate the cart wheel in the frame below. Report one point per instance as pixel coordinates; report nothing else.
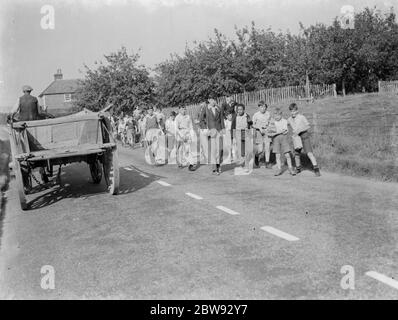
(111, 170)
(96, 171)
(20, 185)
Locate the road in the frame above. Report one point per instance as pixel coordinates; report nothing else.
(231, 237)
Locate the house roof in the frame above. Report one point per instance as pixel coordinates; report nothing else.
(61, 86)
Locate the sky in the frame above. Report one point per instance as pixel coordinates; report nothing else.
(85, 30)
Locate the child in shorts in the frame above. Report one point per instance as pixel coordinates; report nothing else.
(229, 141)
(300, 127)
(260, 123)
(280, 142)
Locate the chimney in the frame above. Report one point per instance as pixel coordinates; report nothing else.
(58, 75)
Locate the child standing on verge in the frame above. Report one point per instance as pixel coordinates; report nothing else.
(260, 122)
(228, 139)
(300, 127)
(280, 142)
(242, 123)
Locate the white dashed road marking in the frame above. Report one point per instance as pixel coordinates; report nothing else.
(279, 233)
(227, 210)
(163, 183)
(193, 196)
(144, 175)
(382, 278)
(128, 169)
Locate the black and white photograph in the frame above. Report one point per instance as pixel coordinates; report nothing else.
(208, 151)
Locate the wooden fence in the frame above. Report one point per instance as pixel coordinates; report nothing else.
(388, 86)
(274, 95)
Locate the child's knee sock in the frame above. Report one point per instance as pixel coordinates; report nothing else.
(297, 161)
(312, 158)
(289, 160)
(267, 155)
(278, 161)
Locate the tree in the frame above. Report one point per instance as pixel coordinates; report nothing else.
(119, 80)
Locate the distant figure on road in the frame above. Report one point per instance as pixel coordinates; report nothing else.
(186, 140)
(170, 127)
(27, 106)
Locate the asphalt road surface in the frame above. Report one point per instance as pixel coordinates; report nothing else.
(175, 234)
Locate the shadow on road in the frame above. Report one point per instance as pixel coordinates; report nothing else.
(3, 202)
(77, 183)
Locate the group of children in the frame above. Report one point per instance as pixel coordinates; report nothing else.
(132, 128)
(269, 131)
(272, 130)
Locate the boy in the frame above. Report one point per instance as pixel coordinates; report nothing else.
(131, 130)
(171, 131)
(151, 126)
(228, 138)
(121, 129)
(280, 142)
(260, 122)
(184, 135)
(141, 128)
(300, 127)
(160, 117)
(242, 123)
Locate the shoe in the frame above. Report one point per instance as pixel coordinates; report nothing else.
(278, 173)
(192, 167)
(268, 165)
(317, 172)
(256, 162)
(298, 170)
(292, 171)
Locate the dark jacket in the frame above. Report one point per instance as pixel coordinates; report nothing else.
(214, 121)
(28, 108)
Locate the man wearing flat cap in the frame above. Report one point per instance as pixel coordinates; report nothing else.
(27, 106)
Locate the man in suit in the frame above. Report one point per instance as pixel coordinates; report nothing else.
(213, 120)
(27, 106)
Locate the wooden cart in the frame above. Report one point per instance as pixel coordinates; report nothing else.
(46, 143)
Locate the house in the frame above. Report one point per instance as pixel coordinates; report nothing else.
(57, 98)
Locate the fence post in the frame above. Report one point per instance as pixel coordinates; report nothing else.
(378, 85)
(334, 90)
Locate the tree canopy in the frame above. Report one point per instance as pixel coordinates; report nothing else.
(120, 80)
(354, 59)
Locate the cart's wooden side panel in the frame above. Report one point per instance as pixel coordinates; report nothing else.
(64, 135)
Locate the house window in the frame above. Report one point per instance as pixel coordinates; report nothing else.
(67, 97)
